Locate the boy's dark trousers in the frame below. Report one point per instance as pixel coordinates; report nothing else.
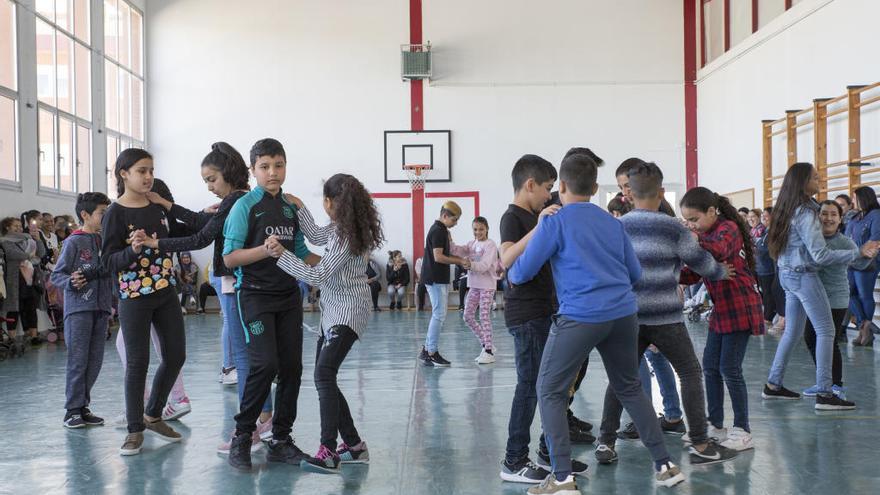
(274, 337)
(84, 334)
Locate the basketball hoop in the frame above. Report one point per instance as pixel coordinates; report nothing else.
(416, 175)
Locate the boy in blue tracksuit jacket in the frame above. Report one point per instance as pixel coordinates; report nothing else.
(88, 298)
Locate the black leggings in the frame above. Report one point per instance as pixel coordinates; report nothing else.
(772, 296)
(837, 316)
(375, 289)
(135, 317)
(421, 292)
(205, 290)
(335, 415)
(274, 336)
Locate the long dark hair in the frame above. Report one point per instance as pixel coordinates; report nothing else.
(792, 195)
(229, 162)
(701, 199)
(125, 161)
(357, 219)
(867, 199)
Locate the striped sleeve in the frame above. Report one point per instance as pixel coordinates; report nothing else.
(315, 234)
(334, 258)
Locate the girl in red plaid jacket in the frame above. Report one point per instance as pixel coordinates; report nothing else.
(738, 309)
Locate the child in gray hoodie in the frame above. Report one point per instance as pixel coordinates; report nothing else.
(88, 296)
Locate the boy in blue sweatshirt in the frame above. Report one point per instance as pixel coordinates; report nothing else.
(88, 296)
(594, 269)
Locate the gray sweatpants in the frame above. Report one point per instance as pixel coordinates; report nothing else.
(85, 333)
(569, 344)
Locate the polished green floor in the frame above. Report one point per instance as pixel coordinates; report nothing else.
(430, 431)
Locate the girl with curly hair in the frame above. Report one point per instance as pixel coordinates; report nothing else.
(354, 231)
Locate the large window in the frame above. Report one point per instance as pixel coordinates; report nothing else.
(725, 23)
(8, 94)
(64, 90)
(123, 80)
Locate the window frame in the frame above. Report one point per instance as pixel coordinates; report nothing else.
(725, 24)
(13, 94)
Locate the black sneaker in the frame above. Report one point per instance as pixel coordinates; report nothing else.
(240, 451)
(833, 403)
(425, 358)
(285, 451)
(629, 432)
(672, 427)
(325, 461)
(606, 454)
(74, 421)
(391, 306)
(712, 454)
(781, 394)
(91, 419)
(575, 421)
(579, 436)
(522, 471)
(577, 467)
(438, 360)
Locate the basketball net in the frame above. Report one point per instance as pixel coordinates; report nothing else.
(417, 175)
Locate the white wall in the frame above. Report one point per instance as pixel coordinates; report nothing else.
(812, 51)
(512, 77)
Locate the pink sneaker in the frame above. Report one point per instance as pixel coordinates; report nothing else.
(176, 411)
(223, 448)
(264, 430)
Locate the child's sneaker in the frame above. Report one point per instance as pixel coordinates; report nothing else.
(132, 444)
(485, 358)
(579, 436)
(357, 454)
(240, 452)
(672, 427)
(629, 432)
(74, 421)
(285, 451)
(717, 434)
(833, 403)
(577, 467)
(424, 357)
(224, 447)
(162, 430)
(438, 361)
(90, 419)
(264, 430)
(738, 440)
(712, 454)
(606, 454)
(810, 392)
(173, 412)
(229, 376)
(120, 421)
(325, 462)
(780, 394)
(551, 485)
(668, 475)
(839, 391)
(581, 424)
(522, 471)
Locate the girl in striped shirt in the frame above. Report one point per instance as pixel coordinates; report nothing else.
(353, 233)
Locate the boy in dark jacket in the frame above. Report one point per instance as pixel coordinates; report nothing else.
(88, 296)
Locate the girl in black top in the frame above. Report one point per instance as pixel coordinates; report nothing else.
(226, 175)
(147, 295)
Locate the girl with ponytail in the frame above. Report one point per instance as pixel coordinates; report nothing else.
(738, 312)
(353, 233)
(798, 245)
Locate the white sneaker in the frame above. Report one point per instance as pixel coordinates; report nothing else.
(738, 439)
(485, 358)
(183, 310)
(120, 421)
(668, 475)
(176, 411)
(719, 434)
(230, 377)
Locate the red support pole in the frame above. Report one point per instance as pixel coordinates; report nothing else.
(690, 90)
(417, 123)
(754, 16)
(726, 25)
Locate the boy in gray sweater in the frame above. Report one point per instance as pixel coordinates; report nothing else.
(663, 245)
(88, 296)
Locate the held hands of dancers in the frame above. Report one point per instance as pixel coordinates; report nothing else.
(137, 238)
(273, 247)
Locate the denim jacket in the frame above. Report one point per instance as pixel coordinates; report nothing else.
(806, 249)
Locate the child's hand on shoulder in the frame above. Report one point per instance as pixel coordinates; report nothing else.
(293, 199)
(549, 211)
(159, 200)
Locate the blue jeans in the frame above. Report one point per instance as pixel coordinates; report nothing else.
(805, 297)
(439, 294)
(225, 344)
(234, 331)
(722, 363)
(304, 289)
(528, 344)
(665, 379)
(861, 290)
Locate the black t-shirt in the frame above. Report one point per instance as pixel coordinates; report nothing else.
(432, 271)
(537, 297)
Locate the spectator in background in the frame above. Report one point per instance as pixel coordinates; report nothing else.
(397, 275)
(47, 229)
(618, 206)
(62, 228)
(373, 282)
(849, 212)
(744, 213)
